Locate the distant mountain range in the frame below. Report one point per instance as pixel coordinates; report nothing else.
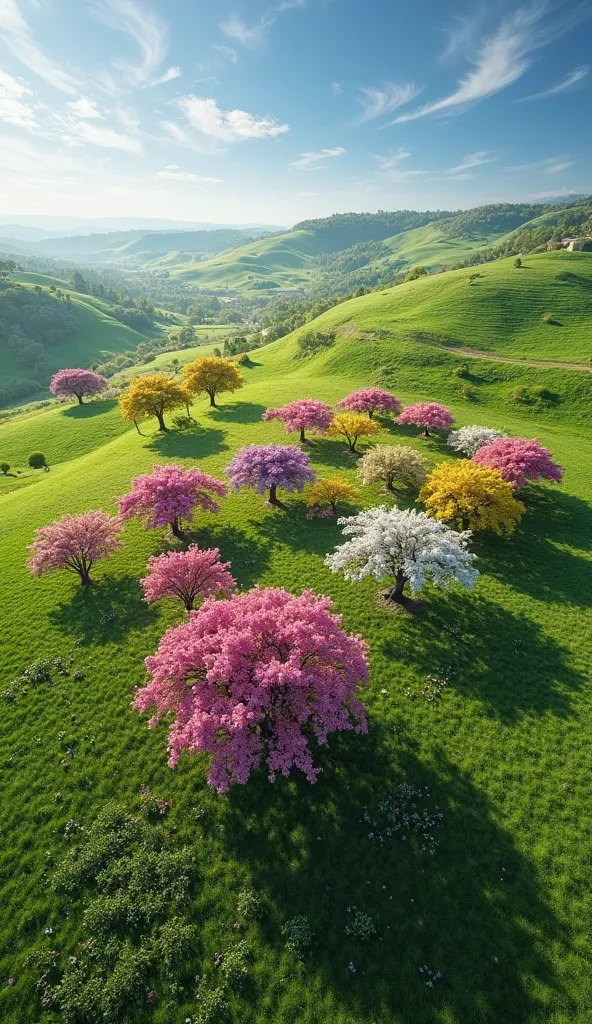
(29, 228)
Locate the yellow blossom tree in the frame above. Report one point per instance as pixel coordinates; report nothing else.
(352, 426)
(213, 375)
(152, 395)
(333, 490)
(471, 497)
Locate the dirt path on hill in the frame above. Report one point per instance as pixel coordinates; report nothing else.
(492, 357)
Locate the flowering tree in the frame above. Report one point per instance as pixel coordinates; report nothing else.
(303, 414)
(393, 462)
(74, 543)
(352, 426)
(369, 400)
(269, 466)
(252, 679)
(332, 490)
(471, 497)
(519, 460)
(429, 415)
(70, 383)
(469, 440)
(213, 375)
(187, 575)
(169, 495)
(406, 545)
(152, 395)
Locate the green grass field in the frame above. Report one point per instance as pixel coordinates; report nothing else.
(502, 908)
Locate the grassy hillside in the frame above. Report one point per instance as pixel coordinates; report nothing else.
(282, 261)
(501, 311)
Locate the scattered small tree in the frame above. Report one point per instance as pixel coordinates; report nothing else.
(76, 383)
(152, 395)
(169, 496)
(519, 460)
(311, 342)
(429, 415)
(74, 543)
(332, 491)
(471, 497)
(187, 575)
(517, 262)
(303, 414)
(212, 375)
(254, 679)
(269, 466)
(37, 460)
(393, 463)
(469, 440)
(352, 426)
(369, 400)
(4, 467)
(404, 544)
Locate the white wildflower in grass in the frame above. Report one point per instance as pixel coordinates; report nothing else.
(469, 440)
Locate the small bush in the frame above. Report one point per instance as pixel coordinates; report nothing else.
(548, 318)
(360, 926)
(37, 460)
(298, 936)
(517, 262)
(312, 342)
(462, 371)
(4, 467)
(182, 422)
(248, 905)
(534, 395)
(469, 392)
(235, 964)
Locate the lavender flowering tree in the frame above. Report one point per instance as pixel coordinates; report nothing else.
(76, 383)
(269, 466)
(303, 414)
(169, 495)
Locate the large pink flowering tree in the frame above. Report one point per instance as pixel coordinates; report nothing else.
(169, 496)
(429, 415)
(74, 543)
(303, 414)
(76, 383)
(369, 400)
(253, 679)
(519, 460)
(269, 466)
(187, 575)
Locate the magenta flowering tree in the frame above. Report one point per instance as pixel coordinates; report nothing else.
(169, 496)
(187, 575)
(253, 679)
(370, 400)
(429, 415)
(74, 543)
(76, 383)
(519, 460)
(303, 414)
(269, 466)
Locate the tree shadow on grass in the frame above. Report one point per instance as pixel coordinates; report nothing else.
(238, 412)
(290, 527)
(488, 653)
(89, 409)
(196, 443)
(249, 559)
(105, 612)
(334, 453)
(473, 910)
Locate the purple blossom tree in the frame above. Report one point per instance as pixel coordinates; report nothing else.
(369, 400)
(269, 466)
(169, 495)
(303, 414)
(76, 383)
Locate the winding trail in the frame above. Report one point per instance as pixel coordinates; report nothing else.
(492, 357)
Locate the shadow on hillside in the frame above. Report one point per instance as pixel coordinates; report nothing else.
(196, 443)
(535, 562)
(249, 559)
(89, 409)
(473, 910)
(333, 452)
(238, 412)
(488, 653)
(290, 526)
(105, 612)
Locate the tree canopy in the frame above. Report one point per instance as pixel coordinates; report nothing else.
(153, 395)
(213, 375)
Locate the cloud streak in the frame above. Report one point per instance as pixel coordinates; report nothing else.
(13, 107)
(172, 173)
(472, 160)
(380, 100)
(256, 34)
(575, 76)
(313, 159)
(16, 33)
(147, 31)
(228, 125)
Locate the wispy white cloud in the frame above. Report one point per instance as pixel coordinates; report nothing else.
(86, 109)
(169, 76)
(228, 125)
(256, 34)
(550, 165)
(380, 100)
(575, 76)
(226, 51)
(86, 133)
(390, 166)
(14, 108)
(148, 32)
(172, 173)
(337, 88)
(561, 165)
(473, 160)
(501, 58)
(313, 159)
(16, 33)
(561, 193)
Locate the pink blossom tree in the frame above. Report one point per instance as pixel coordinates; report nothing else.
(519, 460)
(269, 466)
(74, 543)
(253, 679)
(169, 495)
(187, 575)
(303, 414)
(429, 415)
(369, 400)
(70, 383)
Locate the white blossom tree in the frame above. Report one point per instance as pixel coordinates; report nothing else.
(469, 440)
(404, 544)
(393, 463)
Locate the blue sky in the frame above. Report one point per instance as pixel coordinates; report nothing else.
(241, 112)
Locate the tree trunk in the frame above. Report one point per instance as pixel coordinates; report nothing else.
(212, 395)
(426, 432)
(333, 507)
(396, 593)
(389, 484)
(137, 427)
(302, 437)
(176, 529)
(85, 579)
(273, 498)
(79, 397)
(352, 446)
(370, 414)
(161, 424)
